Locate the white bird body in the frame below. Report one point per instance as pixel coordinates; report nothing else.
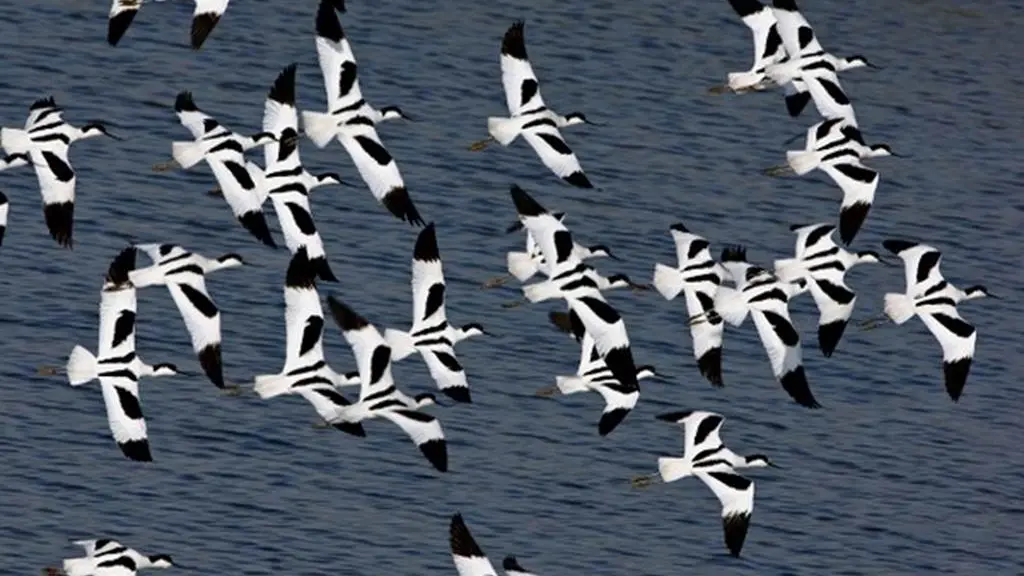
(105, 557)
(698, 278)
(116, 363)
(768, 48)
(184, 274)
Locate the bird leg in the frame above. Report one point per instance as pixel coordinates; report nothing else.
(639, 287)
(872, 323)
(709, 316)
(164, 166)
(215, 192)
(51, 571)
(645, 481)
(546, 392)
(515, 303)
(480, 145)
(322, 425)
(720, 89)
(495, 282)
(50, 371)
(232, 390)
(780, 170)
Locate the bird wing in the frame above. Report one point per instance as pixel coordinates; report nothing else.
(833, 297)
(191, 117)
(98, 546)
(797, 35)
(117, 323)
(326, 399)
(279, 112)
(43, 112)
(761, 21)
(608, 329)
(444, 367)
(237, 183)
(813, 239)
(957, 339)
(701, 432)
(691, 249)
(428, 286)
(828, 95)
(205, 18)
(590, 359)
(736, 494)
(375, 164)
(57, 185)
(782, 343)
(337, 62)
(469, 559)
(824, 133)
(920, 263)
(372, 354)
(295, 216)
(122, 12)
(858, 183)
(304, 326)
(425, 431)
(707, 335)
(547, 142)
(555, 243)
(124, 414)
(522, 91)
(201, 316)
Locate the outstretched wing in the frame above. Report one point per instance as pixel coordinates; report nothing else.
(813, 239)
(425, 431)
(858, 183)
(202, 319)
(379, 171)
(428, 286)
(124, 414)
(782, 343)
(446, 371)
(736, 494)
(279, 112)
(957, 339)
(373, 355)
(204, 18)
(543, 135)
(122, 12)
(337, 62)
(828, 95)
(522, 91)
(57, 186)
(761, 21)
(466, 553)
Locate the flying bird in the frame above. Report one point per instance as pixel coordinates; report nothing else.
(823, 265)
(530, 117)
(470, 560)
(106, 557)
(205, 17)
(378, 396)
(116, 364)
(46, 139)
(767, 47)
(184, 274)
(352, 121)
(698, 278)
(431, 335)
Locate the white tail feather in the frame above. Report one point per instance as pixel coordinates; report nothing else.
(521, 265)
(81, 366)
(789, 269)
(270, 385)
(730, 305)
(320, 127)
(401, 343)
(899, 307)
(149, 276)
(504, 130)
(540, 291)
(570, 384)
(668, 281)
(803, 161)
(187, 154)
(78, 566)
(672, 469)
(14, 140)
(744, 80)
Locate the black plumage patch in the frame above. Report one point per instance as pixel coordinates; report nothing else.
(129, 403)
(435, 300)
(302, 218)
(834, 92)
(184, 102)
(42, 103)
(955, 325)
(311, 334)
(199, 301)
(539, 122)
(209, 125)
(815, 236)
(710, 366)
(734, 254)
(806, 35)
(239, 172)
(288, 144)
(773, 294)
(327, 24)
(555, 142)
(773, 42)
(578, 179)
(706, 427)
(121, 265)
(696, 246)
(283, 89)
(300, 273)
(611, 419)
(353, 428)
(925, 264)
(783, 329)
(955, 376)
(436, 452)
(349, 72)
(137, 450)
(563, 245)
(210, 361)
(525, 204)
(514, 43)
(829, 336)
(461, 541)
(511, 564)
(835, 292)
(118, 25)
(202, 25)
(256, 224)
(60, 218)
(735, 528)
(527, 90)
(606, 313)
(323, 269)
(426, 249)
(858, 173)
(124, 327)
(345, 317)
(61, 170)
(379, 362)
(563, 321)
(379, 154)
(795, 103)
(448, 360)
(897, 246)
(398, 202)
(458, 393)
(620, 364)
(795, 384)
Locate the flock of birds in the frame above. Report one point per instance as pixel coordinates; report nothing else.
(787, 54)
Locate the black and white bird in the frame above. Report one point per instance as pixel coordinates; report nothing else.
(205, 17)
(767, 47)
(575, 282)
(184, 274)
(431, 335)
(530, 117)
(46, 139)
(470, 560)
(698, 278)
(934, 300)
(378, 396)
(823, 265)
(240, 181)
(116, 364)
(306, 372)
(106, 557)
(287, 181)
(593, 375)
(705, 457)
(352, 121)
(766, 299)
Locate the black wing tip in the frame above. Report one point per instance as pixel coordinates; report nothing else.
(795, 103)
(851, 218)
(734, 253)
(283, 89)
(674, 417)
(426, 245)
(514, 42)
(785, 5)
(829, 336)
(256, 224)
(735, 527)
(436, 452)
(578, 179)
(118, 25)
(710, 366)
(399, 203)
(620, 362)
(511, 563)
(210, 361)
(611, 419)
(525, 204)
(563, 322)
(60, 220)
(121, 265)
(897, 246)
(327, 23)
(338, 5)
(47, 102)
(795, 383)
(514, 227)
(3, 199)
(679, 227)
(323, 269)
(202, 25)
(346, 318)
(352, 428)
(955, 376)
(184, 102)
(746, 7)
(137, 450)
(458, 393)
(461, 541)
(301, 272)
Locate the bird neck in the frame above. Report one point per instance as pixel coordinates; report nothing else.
(461, 334)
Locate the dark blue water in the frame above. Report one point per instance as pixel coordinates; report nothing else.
(890, 478)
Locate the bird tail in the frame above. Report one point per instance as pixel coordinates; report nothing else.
(270, 385)
(521, 265)
(540, 291)
(668, 281)
(78, 566)
(730, 305)
(187, 154)
(803, 161)
(570, 384)
(899, 307)
(81, 366)
(788, 269)
(741, 80)
(672, 469)
(401, 343)
(320, 127)
(504, 130)
(14, 140)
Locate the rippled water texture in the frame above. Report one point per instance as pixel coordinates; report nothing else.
(890, 478)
